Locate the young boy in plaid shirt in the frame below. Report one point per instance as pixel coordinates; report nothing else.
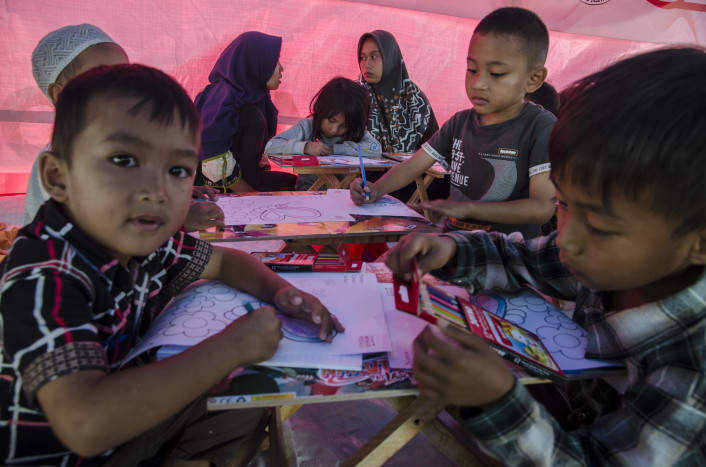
(80, 285)
(628, 155)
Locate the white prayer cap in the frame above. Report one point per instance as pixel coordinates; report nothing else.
(58, 48)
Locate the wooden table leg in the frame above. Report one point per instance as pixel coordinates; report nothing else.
(330, 180)
(347, 180)
(276, 451)
(317, 184)
(396, 433)
(423, 182)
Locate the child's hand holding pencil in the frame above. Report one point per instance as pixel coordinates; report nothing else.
(317, 148)
(362, 174)
(363, 195)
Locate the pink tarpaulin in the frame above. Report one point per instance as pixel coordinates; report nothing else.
(184, 38)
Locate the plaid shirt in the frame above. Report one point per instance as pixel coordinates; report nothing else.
(655, 414)
(68, 306)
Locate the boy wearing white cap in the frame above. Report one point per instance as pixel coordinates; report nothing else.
(64, 54)
(58, 57)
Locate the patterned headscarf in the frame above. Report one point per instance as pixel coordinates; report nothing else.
(399, 110)
(58, 48)
(238, 78)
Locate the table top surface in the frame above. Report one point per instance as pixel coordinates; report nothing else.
(336, 162)
(362, 229)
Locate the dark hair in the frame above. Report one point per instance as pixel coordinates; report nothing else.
(546, 96)
(520, 23)
(155, 91)
(341, 95)
(637, 129)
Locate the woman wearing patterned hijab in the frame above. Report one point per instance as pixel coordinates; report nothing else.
(401, 117)
(238, 116)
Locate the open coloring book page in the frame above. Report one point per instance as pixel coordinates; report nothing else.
(207, 307)
(562, 337)
(385, 206)
(284, 209)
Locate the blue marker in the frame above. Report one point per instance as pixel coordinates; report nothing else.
(248, 306)
(362, 173)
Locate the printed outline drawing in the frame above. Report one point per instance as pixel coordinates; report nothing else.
(516, 309)
(245, 212)
(194, 318)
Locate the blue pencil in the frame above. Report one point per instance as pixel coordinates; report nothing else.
(362, 173)
(248, 306)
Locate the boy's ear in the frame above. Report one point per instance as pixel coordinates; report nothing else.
(698, 249)
(52, 173)
(53, 92)
(535, 79)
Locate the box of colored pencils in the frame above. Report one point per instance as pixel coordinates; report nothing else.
(510, 341)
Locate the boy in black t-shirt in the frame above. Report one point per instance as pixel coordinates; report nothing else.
(496, 151)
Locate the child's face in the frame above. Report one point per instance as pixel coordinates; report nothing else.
(497, 77)
(276, 78)
(334, 126)
(130, 180)
(370, 61)
(626, 248)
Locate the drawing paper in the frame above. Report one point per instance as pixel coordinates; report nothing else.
(332, 362)
(281, 209)
(385, 206)
(207, 307)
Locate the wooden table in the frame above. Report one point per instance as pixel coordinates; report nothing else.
(298, 236)
(415, 415)
(327, 173)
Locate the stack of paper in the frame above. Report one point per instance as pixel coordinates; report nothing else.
(363, 302)
(207, 307)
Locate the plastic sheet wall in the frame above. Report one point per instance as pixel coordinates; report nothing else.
(184, 37)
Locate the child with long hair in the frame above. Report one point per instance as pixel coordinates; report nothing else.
(336, 125)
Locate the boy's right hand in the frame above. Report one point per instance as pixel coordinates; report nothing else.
(358, 192)
(430, 252)
(255, 336)
(202, 215)
(317, 148)
(459, 368)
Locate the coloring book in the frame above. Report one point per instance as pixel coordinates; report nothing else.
(207, 307)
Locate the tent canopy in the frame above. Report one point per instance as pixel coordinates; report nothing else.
(320, 38)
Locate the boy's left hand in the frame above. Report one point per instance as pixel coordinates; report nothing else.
(301, 305)
(447, 207)
(459, 368)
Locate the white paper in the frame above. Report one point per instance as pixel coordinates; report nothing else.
(281, 209)
(324, 362)
(404, 328)
(385, 206)
(207, 307)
